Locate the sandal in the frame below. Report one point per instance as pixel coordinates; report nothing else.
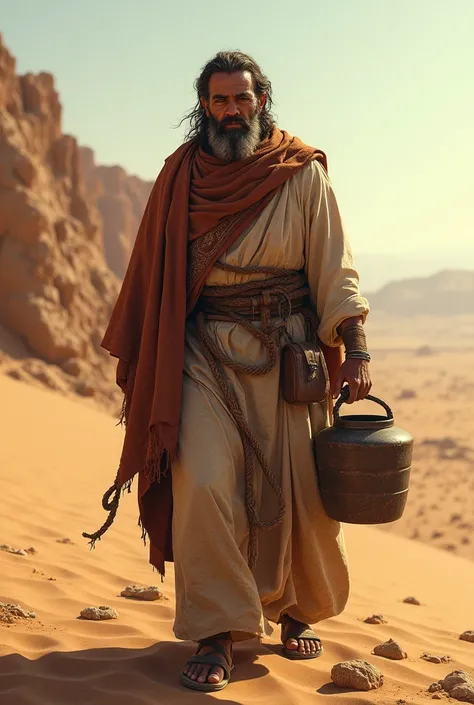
(218, 657)
(295, 631)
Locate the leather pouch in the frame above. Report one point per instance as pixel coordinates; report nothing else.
(304, 375)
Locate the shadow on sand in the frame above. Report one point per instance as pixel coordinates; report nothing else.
(112, 676)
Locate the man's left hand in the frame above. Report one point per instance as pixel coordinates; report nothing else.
(356, 374)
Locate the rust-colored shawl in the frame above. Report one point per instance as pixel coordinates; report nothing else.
(198, 207)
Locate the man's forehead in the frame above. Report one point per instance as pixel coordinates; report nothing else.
(230, 83)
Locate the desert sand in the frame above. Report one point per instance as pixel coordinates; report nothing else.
(56, 457)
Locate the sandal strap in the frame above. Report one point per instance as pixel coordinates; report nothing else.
(292, 630)
(211, 660)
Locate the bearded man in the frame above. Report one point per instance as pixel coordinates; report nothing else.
(241, 244)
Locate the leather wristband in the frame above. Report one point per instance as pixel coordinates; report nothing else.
(354, 339)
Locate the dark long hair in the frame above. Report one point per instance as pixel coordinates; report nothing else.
(228, 62)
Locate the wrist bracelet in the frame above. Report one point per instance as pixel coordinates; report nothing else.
(358, 355)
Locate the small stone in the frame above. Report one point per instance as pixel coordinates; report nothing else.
(390, 649)
(66, 541)
(376, 619)
(411, 601)
(468, 636)
(432, 658)
(31, 551)
(437, 696)
(435, 688)
(357, 674)
(99, 613)
(407, 394)
(147, 594)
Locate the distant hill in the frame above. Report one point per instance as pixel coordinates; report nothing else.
(379, 268)
(448, 292)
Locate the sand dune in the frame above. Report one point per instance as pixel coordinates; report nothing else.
(56, 457)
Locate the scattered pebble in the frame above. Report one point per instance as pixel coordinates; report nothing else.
(407, 394)
(435, 688)
(458, 685)
(376, 619)
(437, 696)
(9, 613)
(432, 658)
(467, 636)
(99, 613)
(142, 593)
(357, 674)
(390, 649)
(66, 540)
(411, 601)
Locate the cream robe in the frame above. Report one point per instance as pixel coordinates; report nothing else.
(302, 567)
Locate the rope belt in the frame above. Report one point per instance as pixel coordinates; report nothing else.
(280, 295)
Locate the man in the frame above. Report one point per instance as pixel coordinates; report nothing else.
(240, 250)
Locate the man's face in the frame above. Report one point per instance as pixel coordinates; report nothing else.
(233, 111)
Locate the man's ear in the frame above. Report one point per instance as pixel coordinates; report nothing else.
(262, 101)
(205, 105)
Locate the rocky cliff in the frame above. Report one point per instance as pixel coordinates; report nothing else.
(121, 200)
(56, 288)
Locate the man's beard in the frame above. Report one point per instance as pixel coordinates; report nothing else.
(234, 144)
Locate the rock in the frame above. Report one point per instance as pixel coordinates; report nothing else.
(121, 200)
(16, 551)
(147, 594)
(411, 601)
(10, 612)
(376, 619)
(390, 649)
(99, 613)
(432, 658)
(85, 389)
(458, 685)
(407, 394)
(73, 367)
(435, 688)
(424, 351)
(437, 696)
(357, 674)
(464, 693)
(56, 287)
(468, 636)
(66, 541)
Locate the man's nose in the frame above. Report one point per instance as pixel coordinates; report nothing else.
(232, 108)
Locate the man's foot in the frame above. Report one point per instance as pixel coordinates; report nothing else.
(299, 640)
(203, 669)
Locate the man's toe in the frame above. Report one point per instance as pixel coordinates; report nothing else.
(292, 644)
(202, 675)
(216, 675)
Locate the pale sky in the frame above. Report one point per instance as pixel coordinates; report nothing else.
(384, 87)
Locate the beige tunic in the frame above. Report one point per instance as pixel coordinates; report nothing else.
(302, 567)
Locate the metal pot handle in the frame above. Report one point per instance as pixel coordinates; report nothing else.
(344, 396)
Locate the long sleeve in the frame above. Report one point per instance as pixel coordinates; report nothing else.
(329, 265)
